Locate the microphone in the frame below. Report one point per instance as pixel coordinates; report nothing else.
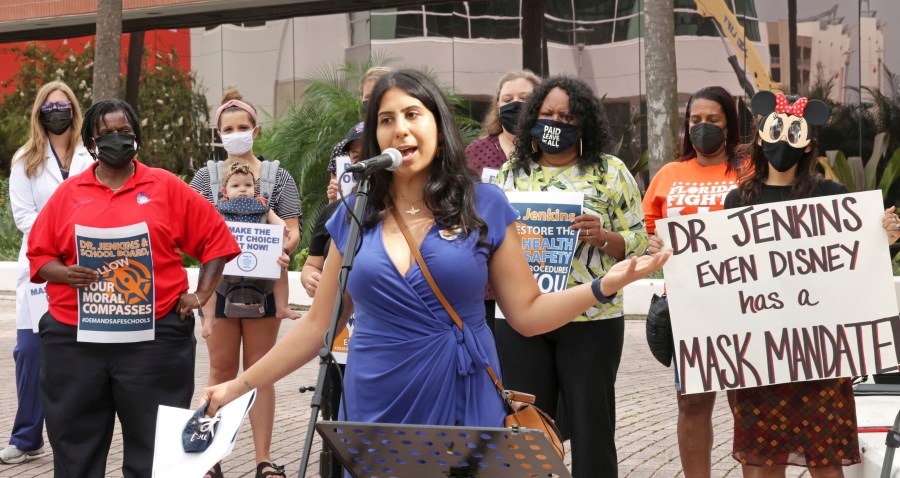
(389, 159)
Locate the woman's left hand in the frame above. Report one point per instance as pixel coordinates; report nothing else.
(592, 232)
(632, 269)
(284, 260)
(891, 224)
(186, 304)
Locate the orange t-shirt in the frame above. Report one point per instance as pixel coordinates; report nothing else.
(681, 188)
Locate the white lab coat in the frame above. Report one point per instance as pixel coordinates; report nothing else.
(27, 197)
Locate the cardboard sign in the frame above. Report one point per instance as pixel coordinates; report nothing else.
(120, 307)
(782, 292)
(261, 246)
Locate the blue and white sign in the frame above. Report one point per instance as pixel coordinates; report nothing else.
(347, 181)
(261, 246)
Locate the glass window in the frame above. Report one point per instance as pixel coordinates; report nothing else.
(392, 24)
(595, 34)
(558, 31)
(628, 29)
(495, 29)
(744, 8)
(751, 28)
(689, 23)
(558, 8)
(628, 7)
(776, 74)
(440, 21)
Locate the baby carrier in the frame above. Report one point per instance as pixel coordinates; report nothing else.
(245, 297)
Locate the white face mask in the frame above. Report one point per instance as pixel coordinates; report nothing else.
(238, 143)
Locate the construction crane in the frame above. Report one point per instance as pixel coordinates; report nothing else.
(731, 30)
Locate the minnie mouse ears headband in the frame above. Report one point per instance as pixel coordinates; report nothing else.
(765, 103)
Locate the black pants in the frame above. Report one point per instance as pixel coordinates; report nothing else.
(85, 385)
(577, 362)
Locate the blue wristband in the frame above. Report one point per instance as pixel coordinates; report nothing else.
(595, 287)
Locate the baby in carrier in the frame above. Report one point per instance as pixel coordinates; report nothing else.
(245, 297)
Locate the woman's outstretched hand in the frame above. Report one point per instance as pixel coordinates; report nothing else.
(222, 394)
(630, 270)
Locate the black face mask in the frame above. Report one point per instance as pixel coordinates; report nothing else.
(115, 149)
(707, 138)
(554, 137)
(57, 122)
(781, 155)
(509, 116)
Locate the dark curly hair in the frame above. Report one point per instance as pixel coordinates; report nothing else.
(805, 179)
(450, 187)
(593, 129)
(94, 115)
(732, 138)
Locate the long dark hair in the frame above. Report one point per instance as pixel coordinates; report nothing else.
(806, 176)
(98, 110)
(732, 139)
(450, 187)
(593, 128)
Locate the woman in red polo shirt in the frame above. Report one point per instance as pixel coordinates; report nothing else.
(119, 335)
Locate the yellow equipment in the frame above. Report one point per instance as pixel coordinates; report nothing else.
(730, 29)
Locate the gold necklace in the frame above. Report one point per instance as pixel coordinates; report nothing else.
(114, 190)
(413, 210)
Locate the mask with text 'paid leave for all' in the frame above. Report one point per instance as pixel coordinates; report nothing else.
(554, 137)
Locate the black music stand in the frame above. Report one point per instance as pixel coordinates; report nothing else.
(386, 450)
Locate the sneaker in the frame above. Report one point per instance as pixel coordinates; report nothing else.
(12, 455)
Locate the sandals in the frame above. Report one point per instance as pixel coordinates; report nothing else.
(216, 471)
(279, 470)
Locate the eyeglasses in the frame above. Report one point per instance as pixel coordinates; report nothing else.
(59, 105)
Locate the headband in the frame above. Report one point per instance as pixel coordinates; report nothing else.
(240, 104)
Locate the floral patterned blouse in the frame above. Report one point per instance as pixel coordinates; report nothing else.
(611, 193)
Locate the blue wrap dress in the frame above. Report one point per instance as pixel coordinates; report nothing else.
(408, 362)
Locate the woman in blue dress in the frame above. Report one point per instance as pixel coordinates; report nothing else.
(408, 361)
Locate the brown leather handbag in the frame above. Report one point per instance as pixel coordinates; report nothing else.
(522, 412)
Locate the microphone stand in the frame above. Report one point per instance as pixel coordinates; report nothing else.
(325, 357)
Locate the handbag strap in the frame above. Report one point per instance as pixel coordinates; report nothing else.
(437, 291)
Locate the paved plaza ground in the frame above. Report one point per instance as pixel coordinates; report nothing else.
(645, 434)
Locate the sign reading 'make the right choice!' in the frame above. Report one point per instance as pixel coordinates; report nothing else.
(782, 292)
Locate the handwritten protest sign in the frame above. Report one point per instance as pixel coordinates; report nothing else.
(120, 307)
(782, 292)
(261, 246)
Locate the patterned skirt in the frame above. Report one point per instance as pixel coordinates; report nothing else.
(810, 424)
